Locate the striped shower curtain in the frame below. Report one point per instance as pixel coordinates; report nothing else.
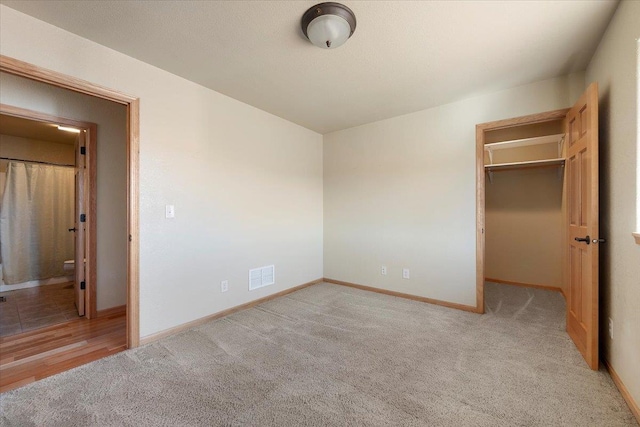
(37, 211)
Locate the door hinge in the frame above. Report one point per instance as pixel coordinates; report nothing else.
(129, 237)
(83, 218)
(83, 285)
(83, 150)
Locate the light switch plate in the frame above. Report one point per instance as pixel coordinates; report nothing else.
(169, 211)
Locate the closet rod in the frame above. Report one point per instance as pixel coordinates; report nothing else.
(36, 161)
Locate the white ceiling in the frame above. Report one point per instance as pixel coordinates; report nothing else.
(405, 56)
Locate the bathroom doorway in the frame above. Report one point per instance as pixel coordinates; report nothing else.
(114, 324)
(47, 220)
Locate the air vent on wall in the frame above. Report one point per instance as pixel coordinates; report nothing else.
(263, 276)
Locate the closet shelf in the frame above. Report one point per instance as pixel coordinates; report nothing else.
(527, 164)
(516, 143)
(539, 140)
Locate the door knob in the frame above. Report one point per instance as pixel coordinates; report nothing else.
(72, 229)
(586, 240)
(599, 240)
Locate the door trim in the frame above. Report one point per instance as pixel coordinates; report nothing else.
(91, 308)
(481, 129)
(34, 72)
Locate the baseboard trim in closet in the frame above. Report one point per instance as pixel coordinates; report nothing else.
(113, 311)
(525, 285)
(635, 410)
(192, 324)
(447, 304)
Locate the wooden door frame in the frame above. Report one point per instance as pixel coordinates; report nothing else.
(91, 308)
(481, 129)
(33, 72)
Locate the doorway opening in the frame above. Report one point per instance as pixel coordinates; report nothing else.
(536, 231)
(113, 325)
(43, 170)
(59, 80)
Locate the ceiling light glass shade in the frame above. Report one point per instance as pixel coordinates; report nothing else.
(328, 31)
(328, 25)
(68, 129)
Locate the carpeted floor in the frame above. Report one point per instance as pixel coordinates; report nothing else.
(330, 355)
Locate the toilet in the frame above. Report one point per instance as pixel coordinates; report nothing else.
(70, 265)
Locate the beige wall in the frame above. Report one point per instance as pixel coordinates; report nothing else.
(401, 192)
(111, 194)
(246, 185)
(524, 227)
(16, 147)
(614, 67)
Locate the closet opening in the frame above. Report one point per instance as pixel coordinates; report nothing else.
(520, 177)
(524, 209)
(537, 211)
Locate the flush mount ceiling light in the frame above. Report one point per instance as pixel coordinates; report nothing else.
(328, 25)
(68, 129)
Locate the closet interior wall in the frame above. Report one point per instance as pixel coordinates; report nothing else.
(525, 209)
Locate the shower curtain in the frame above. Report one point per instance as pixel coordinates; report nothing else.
(37, 211)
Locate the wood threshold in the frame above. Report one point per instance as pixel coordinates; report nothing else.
(192, 324)
(633, 406)
(447, 304)
(37, 354)
(48, 353)
(54, 78)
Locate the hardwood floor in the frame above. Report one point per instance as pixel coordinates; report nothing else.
(31, 356)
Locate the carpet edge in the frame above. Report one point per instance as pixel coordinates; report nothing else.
(197, 322)
(463, 307)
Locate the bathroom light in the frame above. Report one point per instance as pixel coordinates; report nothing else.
(328, 25)
(68, 129)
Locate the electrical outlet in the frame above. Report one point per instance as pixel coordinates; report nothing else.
(383, 270)
(405, 273)
(610, 328)
(224, 286)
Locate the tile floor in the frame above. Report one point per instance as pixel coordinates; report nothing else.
(34, 308)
